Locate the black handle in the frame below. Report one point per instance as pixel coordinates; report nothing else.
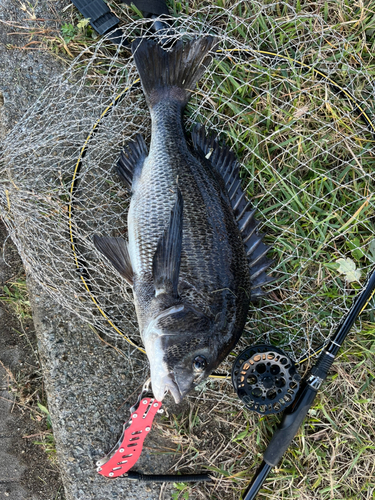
(101, 18)
(289, 426)
(170, 478)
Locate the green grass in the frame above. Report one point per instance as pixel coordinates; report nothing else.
(15, 294)
(47, 440)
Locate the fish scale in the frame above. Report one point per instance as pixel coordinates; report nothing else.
(206, 240)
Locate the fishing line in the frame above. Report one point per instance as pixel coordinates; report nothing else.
(79, 262)
(74, 184)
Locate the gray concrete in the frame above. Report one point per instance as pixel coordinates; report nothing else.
(86, 382)
(11, 470)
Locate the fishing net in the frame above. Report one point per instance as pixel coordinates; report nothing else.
(290, 96)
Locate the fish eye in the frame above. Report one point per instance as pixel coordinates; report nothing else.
(199, 363)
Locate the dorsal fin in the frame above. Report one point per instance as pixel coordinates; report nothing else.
(223, 160)
(131, 160)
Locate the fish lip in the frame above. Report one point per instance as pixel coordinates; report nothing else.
(168, 384)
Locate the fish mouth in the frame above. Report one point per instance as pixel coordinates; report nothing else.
(164, 385)
(163, 378)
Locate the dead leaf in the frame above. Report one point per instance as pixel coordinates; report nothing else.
(348, 267)
(301, 111)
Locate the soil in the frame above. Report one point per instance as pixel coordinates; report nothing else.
(25, 422)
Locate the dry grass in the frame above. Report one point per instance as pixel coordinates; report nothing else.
(332, 457)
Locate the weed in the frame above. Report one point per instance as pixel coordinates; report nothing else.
(68, 32)
(16, 296)
(182, 491)
(48, 441)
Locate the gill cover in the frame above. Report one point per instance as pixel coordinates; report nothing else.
(176, 342)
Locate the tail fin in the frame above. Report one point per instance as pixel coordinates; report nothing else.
(171, 74)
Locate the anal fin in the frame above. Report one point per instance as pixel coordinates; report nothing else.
(116, 251)
(131, 161)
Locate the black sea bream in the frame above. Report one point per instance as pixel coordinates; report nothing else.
(191, 235)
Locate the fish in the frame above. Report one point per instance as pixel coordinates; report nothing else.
(193, 258)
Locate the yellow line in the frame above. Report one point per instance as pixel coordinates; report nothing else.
(219, 376)
(353, 217)
(290, 59)
(108, 319)
(364, 307)
(310, 356)
(74, 179)
(70, 213)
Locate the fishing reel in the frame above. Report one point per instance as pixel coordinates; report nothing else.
(265, 379)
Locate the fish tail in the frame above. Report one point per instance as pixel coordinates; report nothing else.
(171, 74)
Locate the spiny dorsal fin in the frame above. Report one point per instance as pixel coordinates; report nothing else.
(167, 258)
(131, 160)
(221, 158)
(116, 251)
(225, 163)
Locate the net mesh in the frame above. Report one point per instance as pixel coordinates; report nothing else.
(305, 154)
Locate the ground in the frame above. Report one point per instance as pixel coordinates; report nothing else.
(27, 469)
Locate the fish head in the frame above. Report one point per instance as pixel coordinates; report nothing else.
(180, 349)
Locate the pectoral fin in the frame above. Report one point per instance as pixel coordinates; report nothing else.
(167, 258)
(116, 251)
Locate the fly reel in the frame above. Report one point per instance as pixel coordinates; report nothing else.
(265, 379)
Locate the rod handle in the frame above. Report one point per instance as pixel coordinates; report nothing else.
(285, 433)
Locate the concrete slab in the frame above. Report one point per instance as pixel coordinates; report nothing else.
(87, 383)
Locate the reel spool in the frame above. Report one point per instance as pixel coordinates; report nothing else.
(265, 379)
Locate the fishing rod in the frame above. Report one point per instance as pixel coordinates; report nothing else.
(294, 415)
